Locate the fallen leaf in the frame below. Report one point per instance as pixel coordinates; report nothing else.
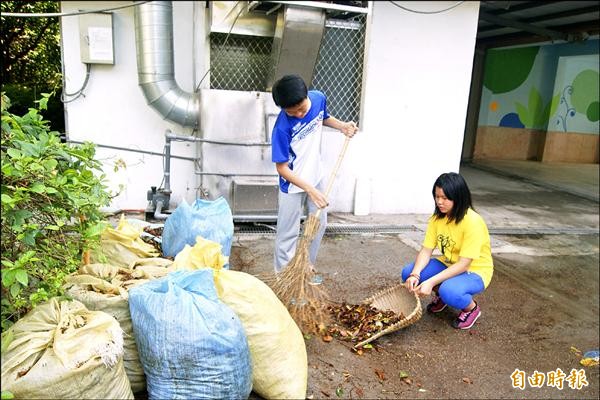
(346, 374)
(380, 374)
(321, 328)
(589, 362)
(339, 392)
(367, 346)
(327, 338)
(467, 380)
(307, 336)
(403, 374)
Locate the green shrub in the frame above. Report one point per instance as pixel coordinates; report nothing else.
(22, 96)
(52, 193)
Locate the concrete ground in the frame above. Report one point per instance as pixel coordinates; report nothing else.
(539, 313)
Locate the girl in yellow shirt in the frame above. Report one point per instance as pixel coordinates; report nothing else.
(465, 267)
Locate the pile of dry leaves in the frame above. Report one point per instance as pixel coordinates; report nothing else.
(155, 233)
(358, 322)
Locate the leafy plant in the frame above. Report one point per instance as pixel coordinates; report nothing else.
(51, 196)
(535, 115)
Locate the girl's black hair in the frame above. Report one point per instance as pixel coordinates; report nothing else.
(455, 188)
(289, 91)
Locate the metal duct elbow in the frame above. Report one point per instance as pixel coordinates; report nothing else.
(155, 61)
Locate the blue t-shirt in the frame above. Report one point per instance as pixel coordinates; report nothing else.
(298, 141)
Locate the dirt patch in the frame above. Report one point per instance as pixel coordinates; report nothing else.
(535, 310)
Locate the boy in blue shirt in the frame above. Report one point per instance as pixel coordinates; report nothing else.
(296, 152)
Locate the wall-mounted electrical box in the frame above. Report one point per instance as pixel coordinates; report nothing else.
(96, 38)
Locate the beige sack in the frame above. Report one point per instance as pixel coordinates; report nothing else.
(61, 350)
(103, 287)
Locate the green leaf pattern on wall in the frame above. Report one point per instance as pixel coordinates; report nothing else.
(583, 93)
(535, 115)
(507, 69)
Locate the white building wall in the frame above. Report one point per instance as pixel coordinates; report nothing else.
(415, 100)
(114, 111)
(416, 88)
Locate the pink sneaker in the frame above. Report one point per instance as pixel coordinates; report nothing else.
(465, 320)
(437, 304)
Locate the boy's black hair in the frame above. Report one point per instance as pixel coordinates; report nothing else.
(289, 91)
(455, 188)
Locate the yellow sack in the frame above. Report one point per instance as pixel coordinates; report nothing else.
(123, 245)
(277, 348)
(204, 254)
(61, 350)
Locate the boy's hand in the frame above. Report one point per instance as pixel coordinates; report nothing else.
(349, 128)
(318, 198)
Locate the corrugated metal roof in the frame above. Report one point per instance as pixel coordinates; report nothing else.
(506, 23)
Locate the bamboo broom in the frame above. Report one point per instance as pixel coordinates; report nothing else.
(294, 286)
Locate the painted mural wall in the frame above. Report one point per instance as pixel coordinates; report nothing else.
(540, 103)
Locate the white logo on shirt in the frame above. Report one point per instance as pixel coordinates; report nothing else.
(306, 129)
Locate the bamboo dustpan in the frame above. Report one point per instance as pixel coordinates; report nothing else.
(399, 300)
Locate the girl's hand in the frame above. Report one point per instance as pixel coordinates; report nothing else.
(411, 283)
(424, 289)
(349, 129)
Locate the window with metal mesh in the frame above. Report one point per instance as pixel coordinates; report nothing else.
(339, 68)
(244, 63)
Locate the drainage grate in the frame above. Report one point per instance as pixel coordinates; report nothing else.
(332, 229)
(544, 231)
(354, 229)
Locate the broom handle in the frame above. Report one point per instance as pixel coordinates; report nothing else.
(334, 173)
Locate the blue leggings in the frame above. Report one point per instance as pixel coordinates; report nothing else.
(457, 291)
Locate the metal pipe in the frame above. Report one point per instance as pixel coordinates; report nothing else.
(152, 153)
(157, 211)
(167, 165)
(155, 61)
(197, 139)
(230, 175)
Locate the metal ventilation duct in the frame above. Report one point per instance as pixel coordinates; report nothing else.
(297, 41)
(156, 72)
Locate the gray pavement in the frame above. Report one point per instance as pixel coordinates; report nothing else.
(577, 179)
(518, 196)
(515, 198)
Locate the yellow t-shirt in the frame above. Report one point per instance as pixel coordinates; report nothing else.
(470, 239)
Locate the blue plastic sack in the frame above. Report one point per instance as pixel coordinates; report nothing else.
(191, 345)
(210, 219)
